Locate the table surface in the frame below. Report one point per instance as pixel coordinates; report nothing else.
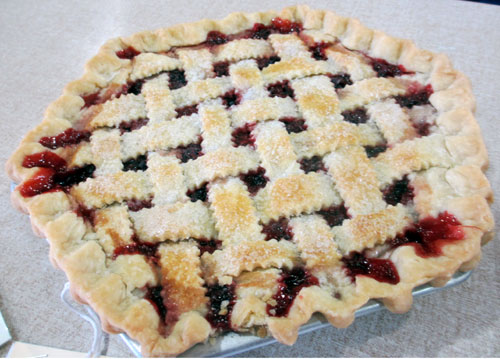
(44, 45)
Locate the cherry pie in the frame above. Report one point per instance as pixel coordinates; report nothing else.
(242, 174)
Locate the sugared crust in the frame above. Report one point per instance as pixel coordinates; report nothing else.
(464, 191)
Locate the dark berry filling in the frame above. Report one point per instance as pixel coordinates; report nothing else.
(278, 230)
(74, 176)
(177, 79)
(231, 98)
(186, 110)
(154, 296)
(255, 180)
(222, 299)
(242, 136)
(221, 68)
(47, 179)
(423, 128)
(68, 137)
(289, 285)
(45, 159)
(88, 214)
(266, 61)
(400, 191)
(216, 38)
(189, 152)
(199, 194)
(280, 89)
(334, 215)
(373, 151)
(135, 87)
(386, 69)
(341, 80)
(208, 245)
(136, 164)
(260, 31)
(132, 125)
(356, 116)
(128, 53)
(313, 164)
(135, 205)
(417, 95)
(318, 50)
(429, 235)
(294, 125)
(382, 270)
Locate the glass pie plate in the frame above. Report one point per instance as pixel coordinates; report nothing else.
(231, 344)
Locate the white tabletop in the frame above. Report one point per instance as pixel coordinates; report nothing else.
(44, 45)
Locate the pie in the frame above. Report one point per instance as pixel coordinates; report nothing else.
(243, 174)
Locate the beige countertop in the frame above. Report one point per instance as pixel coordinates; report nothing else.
(44, 45)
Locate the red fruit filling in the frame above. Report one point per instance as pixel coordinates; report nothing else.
(280, 89)
(341, 80)
(136, 164)
(208, 245)
(186, 110)
(45, 159)
(128, 53)
(285, 26)
(289, 285)
(278, 25)
(199, 194)
(313, 164)
(154, 296)
(242, 136)
(222, 300)
(177, 79)
(356, 116)
(278, 230)
(382, 270)
(255, 180)
(132, 125)
(430, 234)
(294, 125)
(399, 191)
(47, 179)
(135, 205)
(42, 181)
(221, 68)
(417, 95)
(334, 215)
(91, 99)
(386, 69)
(144, 248)
(216, 38)
(88, 214)
(373, 151)
(318, 50)
(231, 98)
(189, 152)
(68, 137)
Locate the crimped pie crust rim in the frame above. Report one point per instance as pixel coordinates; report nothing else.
(453, 99)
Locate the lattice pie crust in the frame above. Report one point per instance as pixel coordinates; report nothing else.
(245, 173)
